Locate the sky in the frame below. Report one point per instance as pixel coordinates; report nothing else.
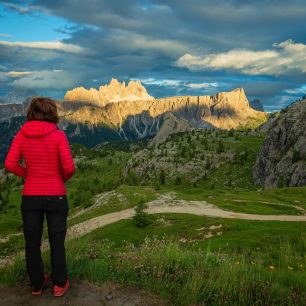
(175, 47)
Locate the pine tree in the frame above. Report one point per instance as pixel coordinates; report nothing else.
(141, 217)
(178, 180)
(162, 177)
(220, 147)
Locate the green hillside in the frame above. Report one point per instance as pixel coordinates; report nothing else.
(182, 257)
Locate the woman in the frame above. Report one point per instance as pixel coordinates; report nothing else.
(48, 164)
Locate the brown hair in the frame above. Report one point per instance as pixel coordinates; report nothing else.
(42, 109)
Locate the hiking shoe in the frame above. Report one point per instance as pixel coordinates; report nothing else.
(60, 291)
(43, 286)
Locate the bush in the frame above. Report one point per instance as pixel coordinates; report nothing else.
(141, 218)
(220, 147)
(132, 178)
(178, 180)
(162, 177)
(230, 133)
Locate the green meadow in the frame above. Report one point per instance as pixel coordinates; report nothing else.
(186, 259)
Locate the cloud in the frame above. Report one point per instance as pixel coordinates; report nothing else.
(3, 76)
(50, 45)
(287, 58)
(17, 74)
(142, 40)
(197, 86)
(6, 35)
(152, 81)
(179, 83)
(23, 10)
(297, 91)
(46, 79)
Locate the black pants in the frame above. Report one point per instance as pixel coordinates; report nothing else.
(34, 209)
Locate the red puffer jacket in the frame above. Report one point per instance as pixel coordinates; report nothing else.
(48, 159)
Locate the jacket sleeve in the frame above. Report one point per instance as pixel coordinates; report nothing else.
(65, 157)
(13, 157)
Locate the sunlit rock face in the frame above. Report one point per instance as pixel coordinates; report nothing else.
(225, 110)
(90, 120)
(113, 92)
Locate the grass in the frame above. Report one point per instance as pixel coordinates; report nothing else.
(264, 202)
(237, 235)
(121, 198)
(252, 263)
(243, 263)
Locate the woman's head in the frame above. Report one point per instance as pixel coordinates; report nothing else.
(42, 109)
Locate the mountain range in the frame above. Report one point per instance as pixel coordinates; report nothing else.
(119, 111)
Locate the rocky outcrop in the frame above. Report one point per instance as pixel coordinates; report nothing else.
(257, 105)
(114, 92)
(271, 117)
(282, 159)
(90, 124)
(225, 110)
(170, 126)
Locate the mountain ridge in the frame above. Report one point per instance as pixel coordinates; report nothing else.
(225, 110)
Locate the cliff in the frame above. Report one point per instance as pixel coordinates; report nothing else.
(225, 110)
(282, 159)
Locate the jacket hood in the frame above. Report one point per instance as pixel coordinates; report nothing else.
(36, 129)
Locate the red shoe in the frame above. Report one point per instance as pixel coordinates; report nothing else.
(43, 286)
(60, 291)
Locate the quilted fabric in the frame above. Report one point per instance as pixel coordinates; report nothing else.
(47, 157)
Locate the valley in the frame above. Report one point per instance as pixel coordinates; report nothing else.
(207, 210)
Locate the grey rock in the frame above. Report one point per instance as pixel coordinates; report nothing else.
(257, 105)
(281, 161)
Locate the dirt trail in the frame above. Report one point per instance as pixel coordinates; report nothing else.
(81, 293)
(166, 204)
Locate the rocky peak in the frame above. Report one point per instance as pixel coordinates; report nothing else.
(113, 92)
(257, 105)
(225, 110)
(234, 100)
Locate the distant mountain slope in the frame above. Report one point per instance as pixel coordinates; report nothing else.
(257, 105)
(171, 125)
(90, 124)
(17, 96)
(282, 158)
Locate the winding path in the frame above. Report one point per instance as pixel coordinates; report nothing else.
(200, 208)
(164, 204)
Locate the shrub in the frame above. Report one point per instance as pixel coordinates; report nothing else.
(178, 180)
(162, 177)
(220, 147)
(141, 217)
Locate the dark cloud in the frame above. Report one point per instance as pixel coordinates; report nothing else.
(143, 40)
